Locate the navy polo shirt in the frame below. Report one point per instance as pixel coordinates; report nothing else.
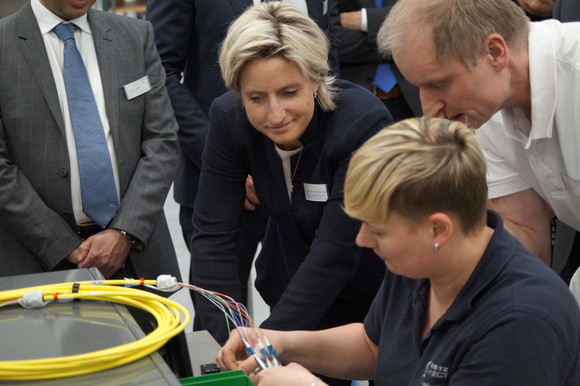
(513, 323)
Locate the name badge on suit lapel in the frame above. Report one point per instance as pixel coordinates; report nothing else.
(138, 87)
(316, 192)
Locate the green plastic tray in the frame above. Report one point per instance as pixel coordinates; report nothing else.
(226, 378)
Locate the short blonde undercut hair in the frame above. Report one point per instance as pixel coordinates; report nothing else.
(417, 167)
(278, 29)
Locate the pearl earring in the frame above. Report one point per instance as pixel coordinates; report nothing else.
(436, 247)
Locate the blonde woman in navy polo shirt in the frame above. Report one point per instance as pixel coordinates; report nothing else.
(462, 301)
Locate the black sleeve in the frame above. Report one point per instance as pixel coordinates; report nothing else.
(173, 22)
(217, 218)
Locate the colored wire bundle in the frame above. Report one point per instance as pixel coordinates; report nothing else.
(171, 317)
(236, 313)
(167, 313)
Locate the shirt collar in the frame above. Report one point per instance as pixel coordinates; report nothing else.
(516, 124)
(542, 63)
(47, 20)
(542, 69)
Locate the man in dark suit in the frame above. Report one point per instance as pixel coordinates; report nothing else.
(355, 26)
(188, 34)
(45, 221)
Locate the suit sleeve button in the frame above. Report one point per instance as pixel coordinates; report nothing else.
(63, 172)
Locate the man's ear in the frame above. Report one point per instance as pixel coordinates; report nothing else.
(495, 50)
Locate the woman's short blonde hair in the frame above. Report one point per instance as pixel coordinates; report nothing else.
(417, 167)
(277, 29)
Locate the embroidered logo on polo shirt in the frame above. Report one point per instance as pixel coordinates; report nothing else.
(435, 374)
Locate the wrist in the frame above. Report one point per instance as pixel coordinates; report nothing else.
(136, 244)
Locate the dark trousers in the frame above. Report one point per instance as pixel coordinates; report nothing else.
(251, 233)
(573, 260)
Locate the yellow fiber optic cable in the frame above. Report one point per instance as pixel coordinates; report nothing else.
(171, 317)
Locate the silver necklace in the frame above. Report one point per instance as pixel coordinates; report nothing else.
(294, 172)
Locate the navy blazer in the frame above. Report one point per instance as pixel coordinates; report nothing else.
(309, 270)
(188, 33)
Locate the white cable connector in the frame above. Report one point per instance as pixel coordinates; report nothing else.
(167, 283)
(32, 299)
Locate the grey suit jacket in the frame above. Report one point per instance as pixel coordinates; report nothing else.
(36, 220)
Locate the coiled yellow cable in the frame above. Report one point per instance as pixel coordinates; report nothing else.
(171, 317)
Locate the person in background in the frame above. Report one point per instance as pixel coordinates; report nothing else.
(88, 143)
(292, 127)
(566, 10)
(187, 35)
(462, 301)
(537, 10)
(355, 25)
(510, 80)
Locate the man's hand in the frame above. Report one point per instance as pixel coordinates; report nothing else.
(352, 20)
(79, 254)
(107, 251)
(251, 196)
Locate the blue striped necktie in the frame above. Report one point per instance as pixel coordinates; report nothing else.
(98, 191)
(384, 77)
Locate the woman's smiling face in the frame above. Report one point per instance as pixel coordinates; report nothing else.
(279, 100)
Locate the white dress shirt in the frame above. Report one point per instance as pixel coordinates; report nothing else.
(55, 51)
(545, 155)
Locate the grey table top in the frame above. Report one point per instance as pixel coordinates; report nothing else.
(70, 328)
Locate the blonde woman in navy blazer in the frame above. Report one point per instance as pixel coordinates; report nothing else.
(310, 272)
(187, 35)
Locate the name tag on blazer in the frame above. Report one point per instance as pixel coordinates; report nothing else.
(316, 192)
(138, 87)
